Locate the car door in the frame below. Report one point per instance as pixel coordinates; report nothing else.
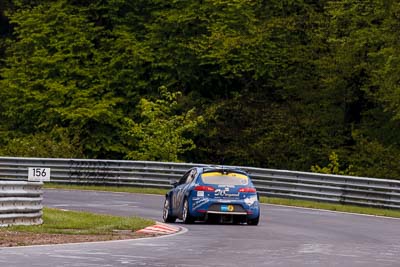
(178, 194)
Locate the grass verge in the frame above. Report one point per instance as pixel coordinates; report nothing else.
(77, 222)
(60, 226)
(267, 200)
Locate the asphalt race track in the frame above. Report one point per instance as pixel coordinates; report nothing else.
(285, 237)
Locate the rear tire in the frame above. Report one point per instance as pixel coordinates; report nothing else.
(186, 217)
(238, 220)
(167, 217)
(253, 221)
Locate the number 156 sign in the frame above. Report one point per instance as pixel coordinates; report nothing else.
(37, 174)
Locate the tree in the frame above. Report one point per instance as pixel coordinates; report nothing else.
(362, 65)
(279, 84)
(65, 71)
(161, 133)
(56, 144)
(333, 167)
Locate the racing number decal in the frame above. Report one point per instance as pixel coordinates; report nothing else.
(224, 193)
(220, 192)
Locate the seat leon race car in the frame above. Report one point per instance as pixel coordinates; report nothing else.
(213, 194)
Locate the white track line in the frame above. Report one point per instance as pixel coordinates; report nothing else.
(332, 211)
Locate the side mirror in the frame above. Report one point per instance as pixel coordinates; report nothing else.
(174, 183)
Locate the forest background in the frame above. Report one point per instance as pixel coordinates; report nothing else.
(285, 84)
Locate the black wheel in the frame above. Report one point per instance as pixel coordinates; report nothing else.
(238, 220)
(186, 217)
(253, 221)
(167, 217)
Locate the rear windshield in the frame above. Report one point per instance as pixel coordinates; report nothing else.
(224, 179)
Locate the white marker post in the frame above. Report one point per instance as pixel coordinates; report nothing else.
(37, 174)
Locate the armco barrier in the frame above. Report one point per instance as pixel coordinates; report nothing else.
(269, 182)
(20, 203)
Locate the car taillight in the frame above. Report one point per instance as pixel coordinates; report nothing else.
(247, 190)
(204, 188)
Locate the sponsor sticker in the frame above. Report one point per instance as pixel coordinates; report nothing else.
(227, 208)
(198, 203)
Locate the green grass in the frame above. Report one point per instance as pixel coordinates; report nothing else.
(267, 200)
(76, 222)
(330, 206)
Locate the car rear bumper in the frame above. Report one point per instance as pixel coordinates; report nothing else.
(227, 213)
(202, 207)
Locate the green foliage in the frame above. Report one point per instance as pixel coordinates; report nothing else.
(69, 72)
(161, 133)
(279, 84)
(333, 167)
(371, 158)
(43, 145)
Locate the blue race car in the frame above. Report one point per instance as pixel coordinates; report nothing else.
(213, 194)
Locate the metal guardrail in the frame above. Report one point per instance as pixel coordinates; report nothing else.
(272, 183)
(20, 203)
